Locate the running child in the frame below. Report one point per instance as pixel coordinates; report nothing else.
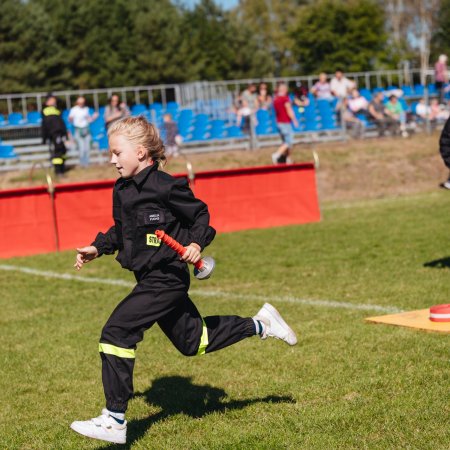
(144, 200)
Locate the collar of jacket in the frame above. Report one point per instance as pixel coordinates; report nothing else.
(140, 178)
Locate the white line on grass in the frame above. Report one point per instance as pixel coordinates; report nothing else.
(210, 292)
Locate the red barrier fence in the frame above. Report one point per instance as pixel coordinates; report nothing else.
(239, 199)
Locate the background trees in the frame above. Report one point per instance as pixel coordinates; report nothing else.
(62, 44)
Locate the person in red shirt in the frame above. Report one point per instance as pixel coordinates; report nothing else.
(284, 116)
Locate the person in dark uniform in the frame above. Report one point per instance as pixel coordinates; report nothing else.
(54, 133)
(444, 148)
(145, 200)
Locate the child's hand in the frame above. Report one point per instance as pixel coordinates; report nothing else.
(85, 254)
(192, 253)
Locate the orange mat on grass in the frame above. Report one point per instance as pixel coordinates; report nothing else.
(413, 319)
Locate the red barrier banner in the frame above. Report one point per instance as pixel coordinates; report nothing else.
(32, 222)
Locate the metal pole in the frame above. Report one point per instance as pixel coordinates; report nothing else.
(427, 102)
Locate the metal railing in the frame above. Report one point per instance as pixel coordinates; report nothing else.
(33, 101)
(195, 94)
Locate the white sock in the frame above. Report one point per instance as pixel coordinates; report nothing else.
(120, 417)
(260, 326)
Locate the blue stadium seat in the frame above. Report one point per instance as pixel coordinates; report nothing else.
(3, 122)
(172, 107)
(34, 118)
(407, 90)
(199, 133)
(262, 116)
(311, 124)
(186, 115)
(217, 129)
(432, 89)
(418, 89)
(97, 128)
(156, 106)
(201, 119)
(366, 94)
(263, 129)
(103, 143)
(138, 109)
(7, 152)
(234, 131)
(15, 119)
(402, 102)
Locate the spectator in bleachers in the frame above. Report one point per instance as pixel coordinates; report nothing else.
(264, 98)
(434, 112)
(423, 110)
(171, 135)
(351, 122)
(115, 110)
(322, 89)
(250, 96)
(441, 76)
(54, 132)
(378, 114)
(244, 116)
(80, 117)
(340, 85)
(301, 96)
(439, 112)
(284, 117)
(394, 109)
(357, 103)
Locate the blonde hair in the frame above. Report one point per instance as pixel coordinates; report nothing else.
(139, 131)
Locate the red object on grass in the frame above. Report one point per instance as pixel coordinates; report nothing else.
(175, 245)
(440, 313)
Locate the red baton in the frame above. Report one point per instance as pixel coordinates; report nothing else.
(204, 267)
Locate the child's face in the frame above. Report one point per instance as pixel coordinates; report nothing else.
(128, 159)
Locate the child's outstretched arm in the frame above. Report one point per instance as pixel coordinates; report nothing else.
(84, 255)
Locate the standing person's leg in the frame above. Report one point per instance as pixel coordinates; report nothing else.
(57, 156)
(84, 148)
(79, 144)
(122, 332)
(283, 152)
(87, 143)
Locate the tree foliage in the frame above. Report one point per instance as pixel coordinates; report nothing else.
(64, 44)
(332, 33)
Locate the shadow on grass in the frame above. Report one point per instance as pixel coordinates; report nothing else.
(439, 263)
(178, 395)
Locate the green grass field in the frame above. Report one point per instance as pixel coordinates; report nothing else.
(346, 385)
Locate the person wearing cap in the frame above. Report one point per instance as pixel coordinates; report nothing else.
(54, 132)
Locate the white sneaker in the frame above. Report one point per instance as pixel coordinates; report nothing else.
(275, 157)
(103, 427)
(275, 325)
(446, 185)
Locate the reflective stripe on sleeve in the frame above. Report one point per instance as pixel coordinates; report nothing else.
(109, 349)
(203, 340)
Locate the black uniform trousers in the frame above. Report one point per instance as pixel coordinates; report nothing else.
(58, 153)
(178, 318)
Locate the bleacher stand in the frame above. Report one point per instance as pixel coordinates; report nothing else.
(202, 123)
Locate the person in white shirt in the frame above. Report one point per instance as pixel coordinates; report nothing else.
(322, 89)
(80, 117)
(340, 85)
(357, 103)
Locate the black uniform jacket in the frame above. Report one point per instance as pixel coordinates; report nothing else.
(149, 201)
(52, 123)
(444, 143)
